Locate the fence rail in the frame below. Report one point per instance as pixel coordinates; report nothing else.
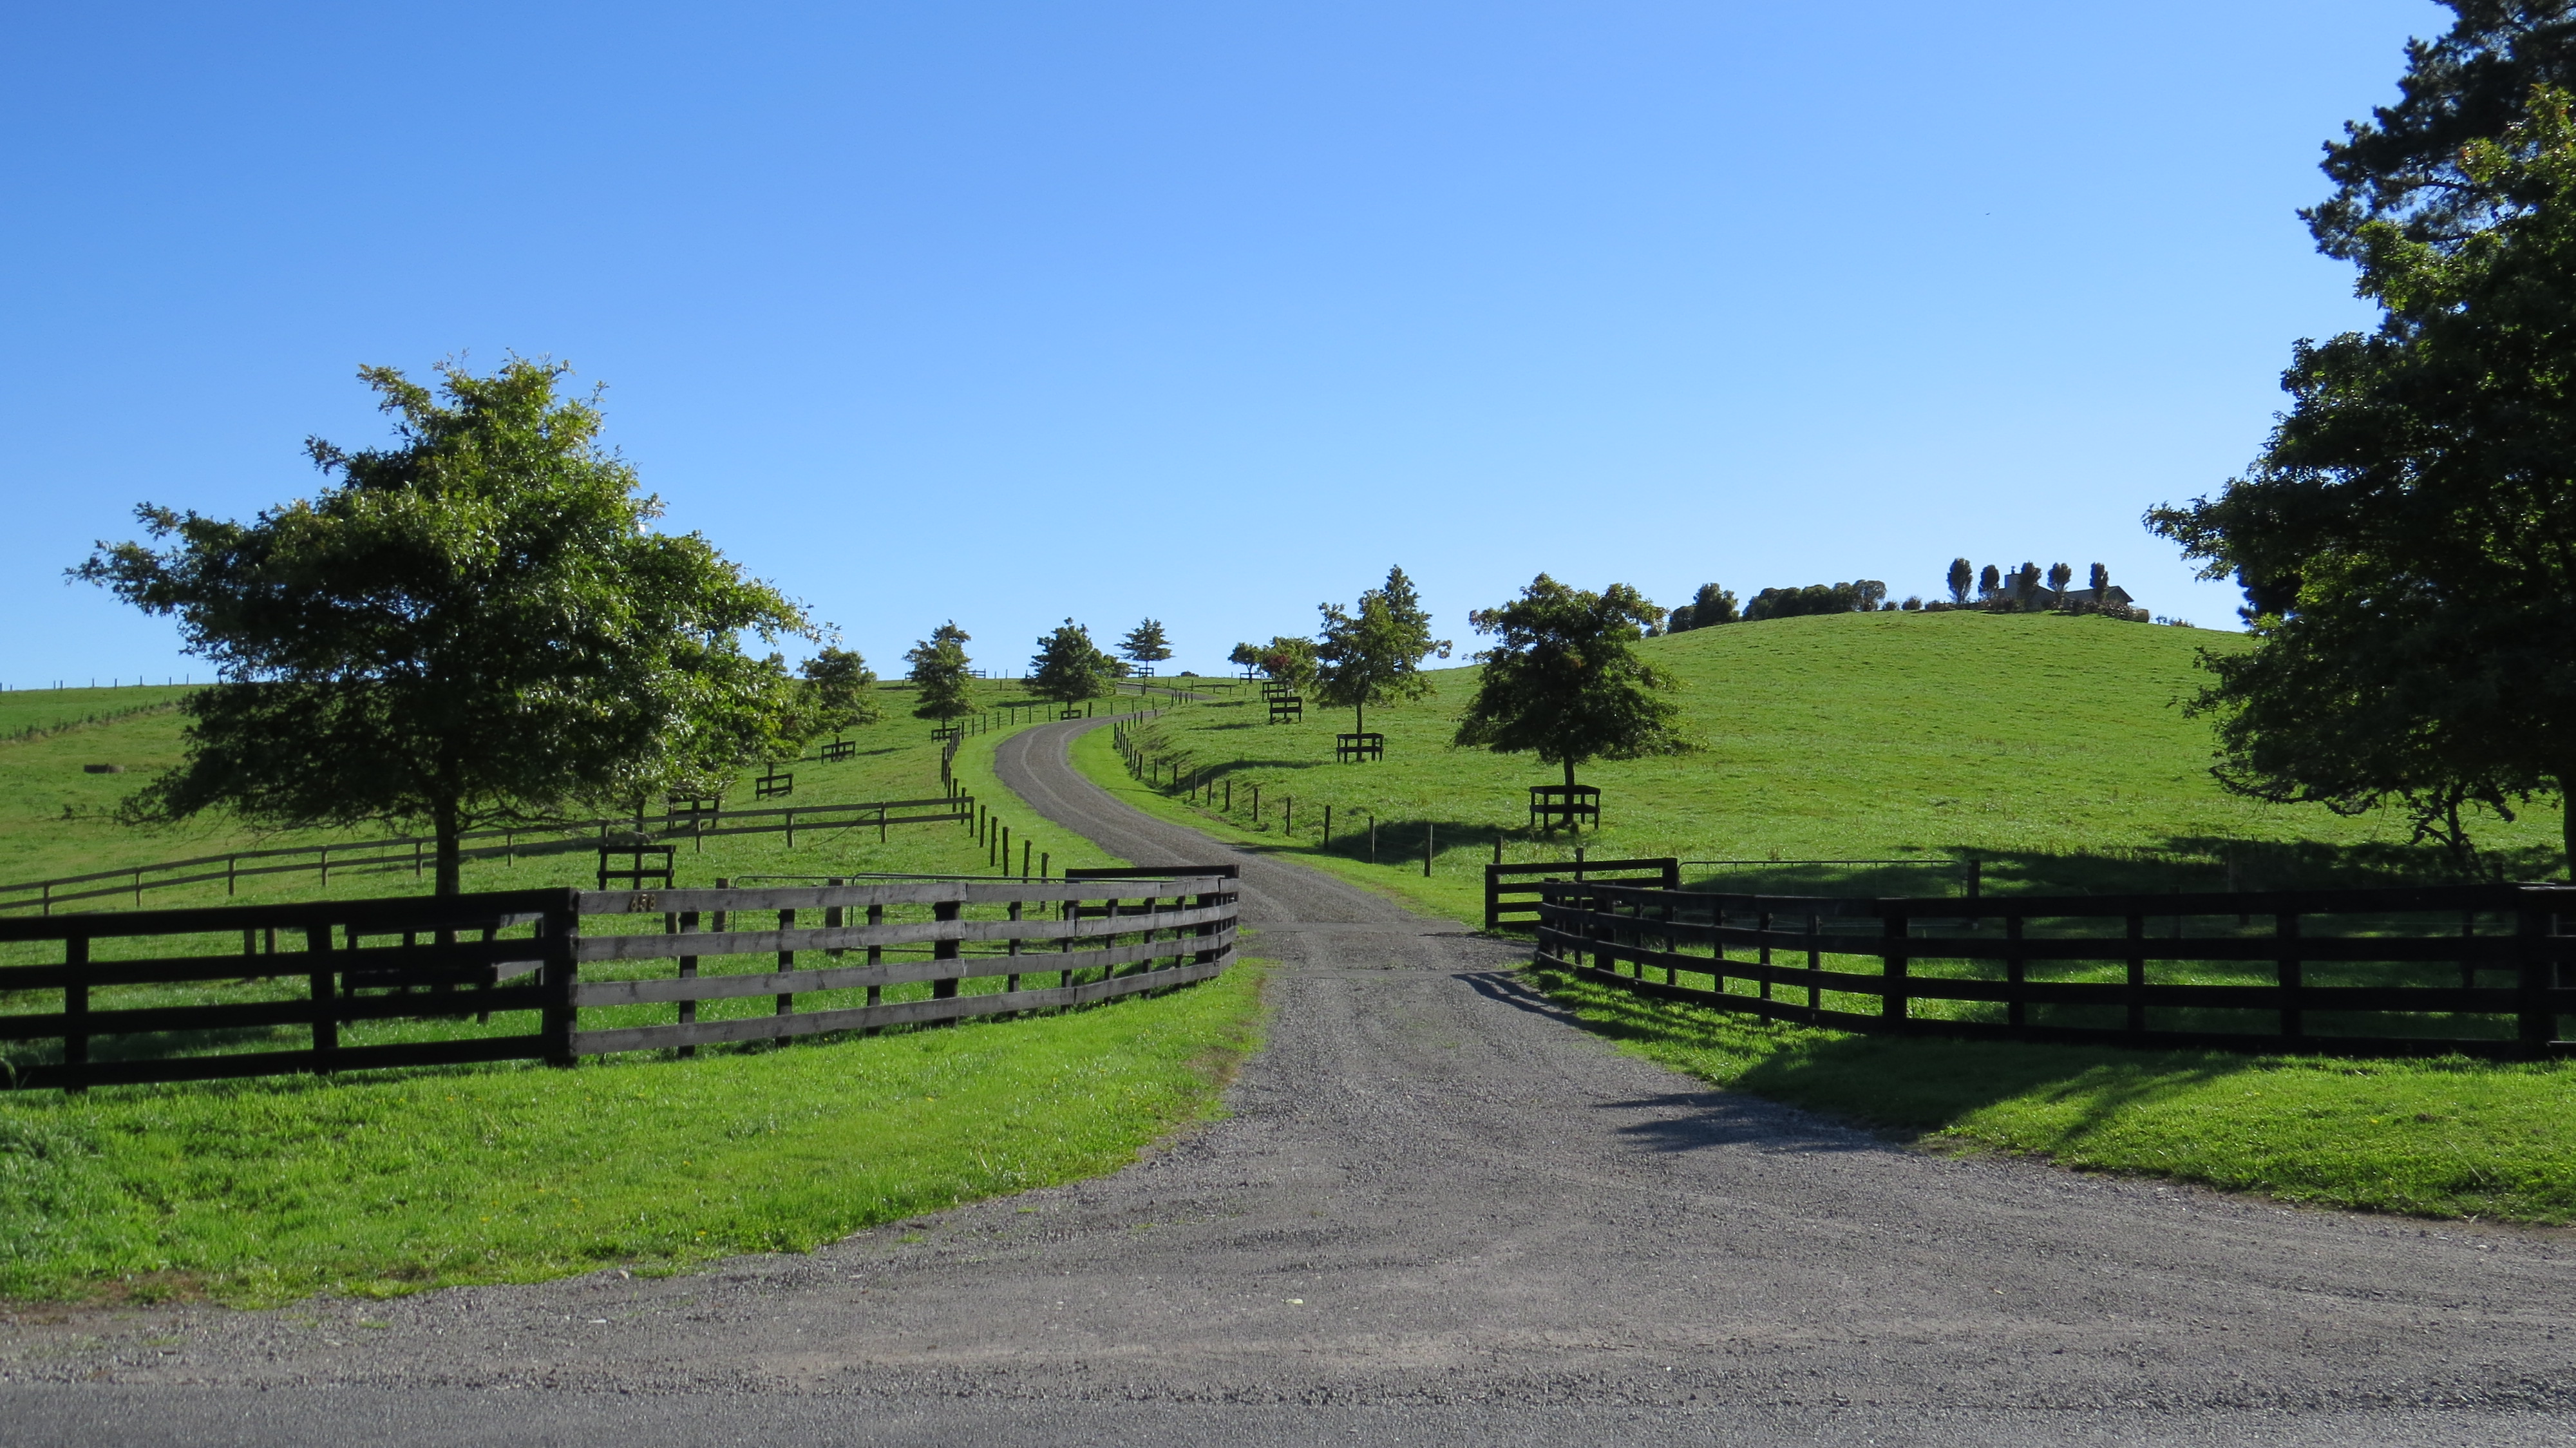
(1512, 892)
(2378, 972)
(169, 995)
(412, 853)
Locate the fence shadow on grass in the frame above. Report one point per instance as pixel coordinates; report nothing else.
(1905, 1085)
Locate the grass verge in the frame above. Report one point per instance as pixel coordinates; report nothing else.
(2442, 1138)
(261, 1192)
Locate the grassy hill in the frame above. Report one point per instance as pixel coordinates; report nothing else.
(2052, 748)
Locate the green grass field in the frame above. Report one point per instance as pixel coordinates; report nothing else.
(264, 1190)
(2047, 747)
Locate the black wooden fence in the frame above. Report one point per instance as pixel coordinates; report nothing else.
(1512, 892)
(553, 975)
(2478, 970)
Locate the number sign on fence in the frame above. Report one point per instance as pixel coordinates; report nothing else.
(554, 975)
(2478, 969)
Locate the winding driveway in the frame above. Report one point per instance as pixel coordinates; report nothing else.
(1438, 1214)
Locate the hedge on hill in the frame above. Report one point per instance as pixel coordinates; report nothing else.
(1563, 680)
(1708, 608)
(1862, 596)
(473, 626)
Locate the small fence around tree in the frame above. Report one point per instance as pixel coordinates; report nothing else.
(557, 974)
(2477, 969)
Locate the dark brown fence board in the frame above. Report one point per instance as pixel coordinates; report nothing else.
(592, 948)
(467, 1051)
(297, 1011)
(1593, 927)
(596, 993)
(857, 1018)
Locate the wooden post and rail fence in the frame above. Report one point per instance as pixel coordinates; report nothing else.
(684, 819)
(553, 975)
(2472, 969)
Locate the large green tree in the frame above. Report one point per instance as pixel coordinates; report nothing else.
(837, 693)
(1373, 653)
(2408, 539)
(939, 673)
(1563, 679)
(1069, 667)
(1145, 646)
(475, 625)
(2406, 165)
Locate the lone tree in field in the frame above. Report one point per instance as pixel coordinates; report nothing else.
(1374, 654)
(2407, 542)
(1288, 660)
(1962, 576)
(836, 693)
(474, 626)
(1069, 667)
(1145, 646)
(1564, 681)
(938, 671)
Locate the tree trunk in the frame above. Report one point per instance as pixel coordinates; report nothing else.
(1571, 826)
(1359, 719)
(443, 823)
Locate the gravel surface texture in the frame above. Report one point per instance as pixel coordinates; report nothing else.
(1439, 1213)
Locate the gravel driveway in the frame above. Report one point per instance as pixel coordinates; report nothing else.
(1439, 1214)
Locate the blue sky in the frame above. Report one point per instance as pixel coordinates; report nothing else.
(1006, 312)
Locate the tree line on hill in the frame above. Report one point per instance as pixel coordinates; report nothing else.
(2019, 591)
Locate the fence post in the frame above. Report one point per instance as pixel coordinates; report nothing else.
(2134, 995)
(786, 962)
(562, 975)
(326, 1022)
(2016, 1009)
(1893, 1001)
(944, 988)
(1815, 969)
(1494, 896)
(1427, 828)
(2286, 926)
(686, 923)
(75, 1010)
(2538, 1025)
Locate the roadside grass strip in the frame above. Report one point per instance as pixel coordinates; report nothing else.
(2441, 1137)
(261, 1192)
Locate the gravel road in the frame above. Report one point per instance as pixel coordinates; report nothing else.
(1439, 1214)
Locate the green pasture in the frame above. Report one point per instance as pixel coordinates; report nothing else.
(378, 1182)
(2050, 749)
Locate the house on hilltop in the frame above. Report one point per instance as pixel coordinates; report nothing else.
(2114, 596)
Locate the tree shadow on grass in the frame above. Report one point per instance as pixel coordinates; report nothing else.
(2177, 863)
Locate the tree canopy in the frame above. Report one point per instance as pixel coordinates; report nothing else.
(938, 672)
(472, 626)
(2405, 167)
(1145, 645)
(1373, 654)
(1708, 608)
(837, 692)
(1563, 679)
(1285, 659)
(2407, 541)
(1069, 667)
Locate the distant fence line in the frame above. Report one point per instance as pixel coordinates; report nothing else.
(131, 985)
(2377, 972)
(412, 852)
